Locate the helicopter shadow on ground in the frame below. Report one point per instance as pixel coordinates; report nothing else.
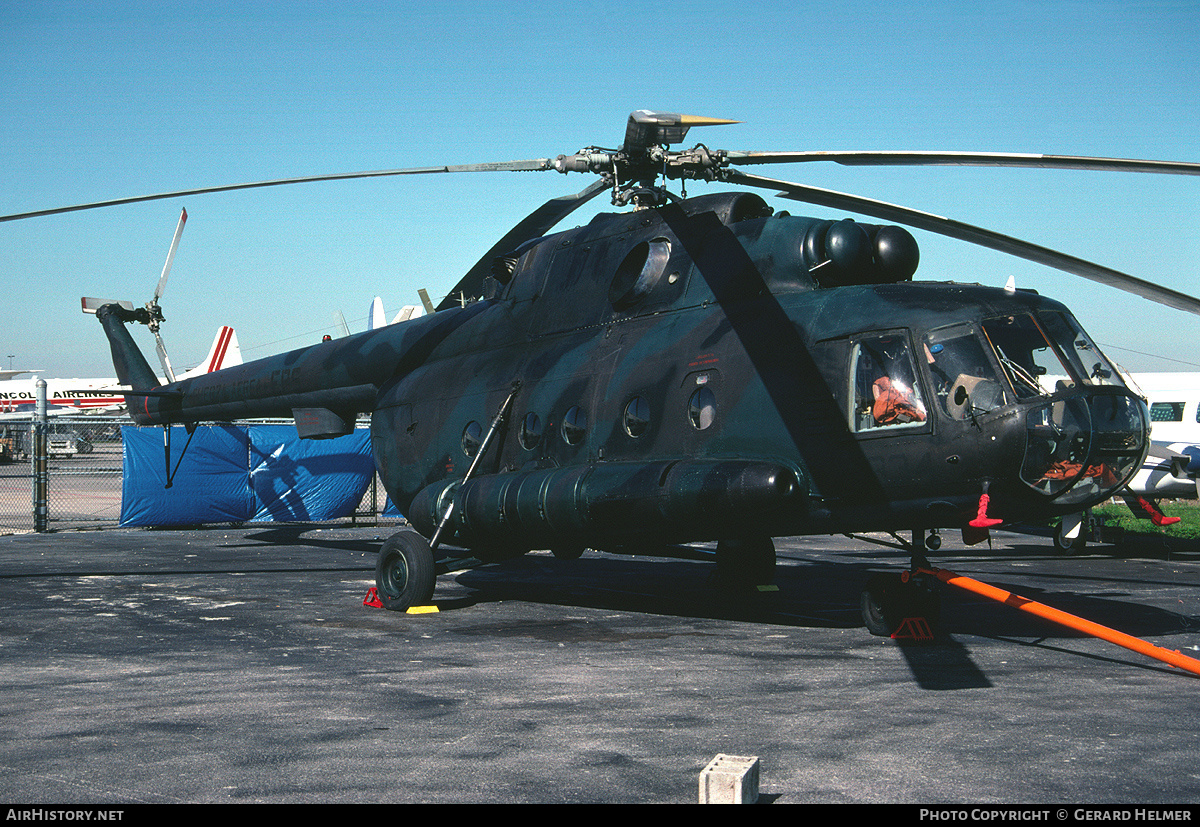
(810, 594)
(294, 535)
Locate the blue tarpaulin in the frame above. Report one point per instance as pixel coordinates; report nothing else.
(242, 473)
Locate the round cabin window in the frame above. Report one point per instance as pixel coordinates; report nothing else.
(637, 417)
(574, 425)
(702, 408)
(472, 437)
(531, 431)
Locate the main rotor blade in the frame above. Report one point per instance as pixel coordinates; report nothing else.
(535, 165)
(975, 235)
(536, 224)
(967, 159)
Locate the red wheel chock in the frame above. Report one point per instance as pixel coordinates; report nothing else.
(914, 628)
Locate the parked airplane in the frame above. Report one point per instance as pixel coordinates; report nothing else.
(1174, 405)
(68, 396)
(1171, 469)
(377, 319)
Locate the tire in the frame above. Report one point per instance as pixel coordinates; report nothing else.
(887, 602)
(404, 573)
(1070, 546)
(880, 602)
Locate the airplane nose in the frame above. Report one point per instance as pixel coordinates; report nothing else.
(1082, 449)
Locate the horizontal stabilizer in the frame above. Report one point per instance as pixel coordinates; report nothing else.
(321, 423)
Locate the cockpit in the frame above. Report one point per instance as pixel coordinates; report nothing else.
(1085, 432)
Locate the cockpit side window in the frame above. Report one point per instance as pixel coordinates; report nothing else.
(1032, 365)
(886, 392)
(965, 383)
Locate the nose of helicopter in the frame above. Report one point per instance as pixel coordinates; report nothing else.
(1081, 450)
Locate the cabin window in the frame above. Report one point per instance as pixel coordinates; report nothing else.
(702, 408)
(965, 383)
(637, 417)
(472, 438)
(531, 431)
(886, 393)
(574, 425)
(1168, 412)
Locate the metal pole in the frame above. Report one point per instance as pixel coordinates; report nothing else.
(41, 477)
(483, 446)
(1024, 604)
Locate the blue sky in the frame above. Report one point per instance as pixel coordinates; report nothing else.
(103, 100)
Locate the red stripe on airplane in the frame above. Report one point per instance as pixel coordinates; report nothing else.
(222, 346)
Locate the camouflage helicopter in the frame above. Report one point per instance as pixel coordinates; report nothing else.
(702, 370)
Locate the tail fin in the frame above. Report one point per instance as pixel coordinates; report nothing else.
(225, 352)
(376, 319)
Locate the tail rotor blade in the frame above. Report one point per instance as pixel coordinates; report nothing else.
(91, 304)
(162, 280)
(162, 357)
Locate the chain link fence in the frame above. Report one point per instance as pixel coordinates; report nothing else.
(85, 476)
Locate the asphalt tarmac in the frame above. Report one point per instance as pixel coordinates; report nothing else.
(240, 665)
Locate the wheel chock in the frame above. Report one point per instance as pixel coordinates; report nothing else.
(914, 628)
(372, 600)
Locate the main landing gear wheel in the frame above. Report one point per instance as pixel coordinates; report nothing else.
(888, 601)
(404, 573)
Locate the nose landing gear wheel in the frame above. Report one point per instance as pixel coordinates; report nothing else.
(404, 573)
(888, 601)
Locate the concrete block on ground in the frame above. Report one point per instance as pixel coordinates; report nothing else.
(730, 779)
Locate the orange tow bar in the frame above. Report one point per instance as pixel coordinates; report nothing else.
(1041, 610)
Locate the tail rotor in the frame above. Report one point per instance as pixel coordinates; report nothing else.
(151, 314)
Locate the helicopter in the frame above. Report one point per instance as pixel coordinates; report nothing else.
(702, 370)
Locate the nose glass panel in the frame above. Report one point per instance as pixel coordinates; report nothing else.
(1083, 449)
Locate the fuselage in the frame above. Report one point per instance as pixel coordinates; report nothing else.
(707, 370)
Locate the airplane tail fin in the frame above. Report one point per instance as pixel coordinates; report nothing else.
(225, 352)
(376, 319)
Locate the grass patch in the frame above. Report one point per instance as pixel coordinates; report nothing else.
(1116, 513)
